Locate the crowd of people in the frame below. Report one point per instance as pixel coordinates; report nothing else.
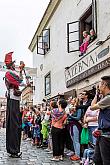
(63, 127)
(78, 127)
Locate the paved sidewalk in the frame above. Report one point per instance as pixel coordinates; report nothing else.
(31, 155)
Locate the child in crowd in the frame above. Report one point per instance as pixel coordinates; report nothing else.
(45, 128)
(88, 155)
(36, 129)
(26, 118)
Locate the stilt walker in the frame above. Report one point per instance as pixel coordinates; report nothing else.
(13, 116)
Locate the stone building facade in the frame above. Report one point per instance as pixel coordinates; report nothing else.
(55, 47)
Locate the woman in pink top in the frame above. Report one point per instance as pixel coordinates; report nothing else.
(58, 131)
(91, 119)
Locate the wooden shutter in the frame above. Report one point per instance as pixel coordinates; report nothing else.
(43, 42)
(73, 36)
(40, 49)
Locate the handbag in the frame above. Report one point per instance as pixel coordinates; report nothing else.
(17, 92)
(85, 136)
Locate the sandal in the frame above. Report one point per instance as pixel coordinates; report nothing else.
(75, 158)
(55, 159)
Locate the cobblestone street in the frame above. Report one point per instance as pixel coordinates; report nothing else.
(31, 155)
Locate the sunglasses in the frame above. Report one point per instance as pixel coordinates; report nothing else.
(83, 93)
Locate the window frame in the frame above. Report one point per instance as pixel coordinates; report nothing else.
(93, 5)
(42, 36)
(46, 76)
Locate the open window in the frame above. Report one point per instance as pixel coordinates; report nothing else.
(75, 29)
(86, 23)
(43, 42)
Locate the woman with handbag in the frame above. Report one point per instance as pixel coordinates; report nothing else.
(91, 119)
(90, 124)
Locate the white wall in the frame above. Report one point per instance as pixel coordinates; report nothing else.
(103, 19)
(37, 81)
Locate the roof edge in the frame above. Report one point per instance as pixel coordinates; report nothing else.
(50, 10)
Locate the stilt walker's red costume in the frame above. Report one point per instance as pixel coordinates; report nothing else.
(13, 116)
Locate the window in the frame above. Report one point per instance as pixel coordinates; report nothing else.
(47, 84)
(75, 29)
(43, 42)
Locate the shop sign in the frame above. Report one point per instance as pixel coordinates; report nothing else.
(89, 65)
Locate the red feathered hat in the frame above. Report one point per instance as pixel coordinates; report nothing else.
(8, 58)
